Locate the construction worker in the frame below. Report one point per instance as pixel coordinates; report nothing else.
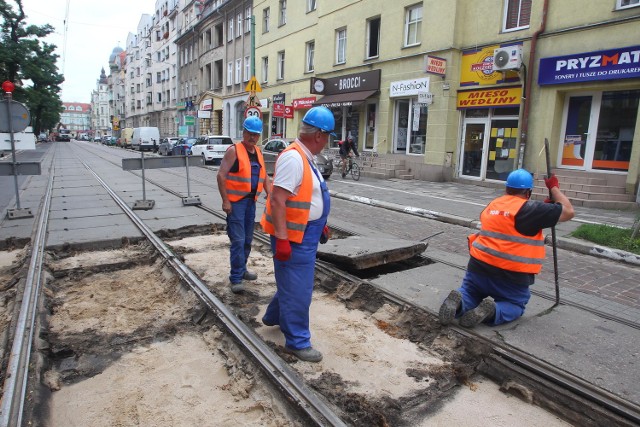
(506, 254)
(241, 178)
(296, 218)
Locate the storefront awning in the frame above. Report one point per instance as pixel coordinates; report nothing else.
(345, 99)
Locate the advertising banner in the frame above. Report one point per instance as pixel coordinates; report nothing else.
(477, 68)
(490, 98)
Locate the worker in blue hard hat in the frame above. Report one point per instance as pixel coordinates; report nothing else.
(241, 178)
(506, 253)
(295, 216)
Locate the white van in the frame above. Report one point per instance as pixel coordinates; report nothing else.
(144, 137)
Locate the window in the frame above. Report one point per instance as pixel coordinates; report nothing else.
(341, 46)
(311, 5)
(311, 46)
(265, 69)
(373, 38)
(239, 28)
(247, 19)
(517, 14)
(623, 4)
(280, 65)
(412, 25)
(158, 77)
(265, 20)
(229, 73)
(283, 12)
(238, 70)
(230, 30)
(247, 68)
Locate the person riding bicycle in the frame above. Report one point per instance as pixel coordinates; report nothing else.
(346, 147)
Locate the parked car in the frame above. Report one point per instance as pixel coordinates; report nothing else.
(97, 138)
(126, 135)
(272, 147)
(166, 145)
(143, 138)
(109, 140)
(211, 148)
(183, 147)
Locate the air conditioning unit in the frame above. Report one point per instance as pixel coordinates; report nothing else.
(507, 58)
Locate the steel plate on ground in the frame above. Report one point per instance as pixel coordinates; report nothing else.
(359, 252)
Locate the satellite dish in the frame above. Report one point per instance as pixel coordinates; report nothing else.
(501, 59)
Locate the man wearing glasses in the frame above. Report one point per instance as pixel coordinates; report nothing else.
(296, 218)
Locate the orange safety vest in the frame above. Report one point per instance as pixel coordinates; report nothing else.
(238, 184)
(298, 206)
(499, 243)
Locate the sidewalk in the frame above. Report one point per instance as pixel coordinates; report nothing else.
(461, 204)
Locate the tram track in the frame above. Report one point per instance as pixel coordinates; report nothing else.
(500, 362)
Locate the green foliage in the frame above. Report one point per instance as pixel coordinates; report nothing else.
(605, 235)
(30, 63)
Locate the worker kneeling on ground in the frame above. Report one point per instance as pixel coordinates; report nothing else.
(506, 254)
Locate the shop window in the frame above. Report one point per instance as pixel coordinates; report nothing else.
(517, 14)
(502, 148)
(616, 127)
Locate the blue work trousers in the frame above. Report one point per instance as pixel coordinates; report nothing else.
(510, 299)
(240, 224)
(289, 307)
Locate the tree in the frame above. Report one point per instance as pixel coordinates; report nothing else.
(30, 63)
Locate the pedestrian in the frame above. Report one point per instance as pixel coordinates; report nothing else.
(241, 178)
(346, 147)
(296, 218)
(506, 254)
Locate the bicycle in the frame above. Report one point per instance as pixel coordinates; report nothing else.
(353, 168)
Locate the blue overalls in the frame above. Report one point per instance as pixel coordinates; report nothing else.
(240, 225)
(289, 307)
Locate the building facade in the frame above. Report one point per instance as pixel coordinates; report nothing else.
(76, 117)
(100, 110)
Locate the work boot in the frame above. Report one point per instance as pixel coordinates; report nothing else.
(344, 174)
(485, 311)
(236, 288)
(249, 275)
(308, 354)
(450, 307)
(267, 323)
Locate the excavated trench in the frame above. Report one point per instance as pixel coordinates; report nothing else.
(122, 342)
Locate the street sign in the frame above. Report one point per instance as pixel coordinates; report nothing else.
(253, 111)
(253, 85)
(22, 168)
(20, 116)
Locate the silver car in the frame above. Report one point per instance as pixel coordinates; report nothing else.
(272, 147)
(167, 144)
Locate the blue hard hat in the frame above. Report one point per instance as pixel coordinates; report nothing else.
(252, 124)
(322, 118)
(520, 178)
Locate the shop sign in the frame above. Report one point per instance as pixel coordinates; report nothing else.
(278, 98)
(408, 87)
(189, 120)
(425, 98)
(357, 82)
(490, 98)
(612, 64)
(288, 112)
(202, 114)
(181, 105)
(302, 103)
(278, 110)
(207, 105)
(476, 68)
(436, 65)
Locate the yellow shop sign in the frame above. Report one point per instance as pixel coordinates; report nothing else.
(490, 98)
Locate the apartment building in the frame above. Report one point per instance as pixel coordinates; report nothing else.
(137, 98)
(116, 89)
(76, 116)
(462, 90)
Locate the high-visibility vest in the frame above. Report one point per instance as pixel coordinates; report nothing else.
(298, 206)
(238, 184)
(499, 243)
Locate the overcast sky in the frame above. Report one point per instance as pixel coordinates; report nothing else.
(94, 28)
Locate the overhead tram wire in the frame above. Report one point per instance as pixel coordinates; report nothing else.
(64, 35)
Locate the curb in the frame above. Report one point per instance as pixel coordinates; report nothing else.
(573, 245)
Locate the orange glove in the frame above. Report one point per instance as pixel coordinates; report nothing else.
(283, 250)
